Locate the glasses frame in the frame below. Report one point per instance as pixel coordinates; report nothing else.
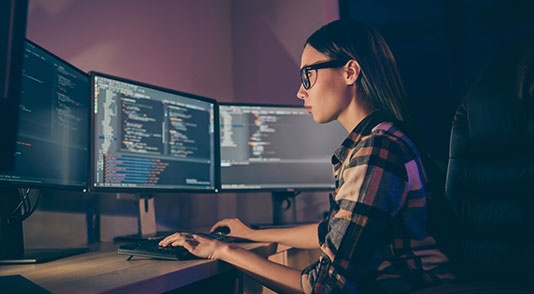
(304, 79)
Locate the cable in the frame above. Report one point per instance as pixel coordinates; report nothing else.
(25, 203)
(8, 217)
(24, 196)
(32, 209)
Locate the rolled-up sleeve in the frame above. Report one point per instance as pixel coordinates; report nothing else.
(373, 189)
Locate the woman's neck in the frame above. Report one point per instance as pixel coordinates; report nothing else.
(353, 115)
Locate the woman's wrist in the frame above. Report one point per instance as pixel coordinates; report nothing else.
(251, 235)
(223, 250)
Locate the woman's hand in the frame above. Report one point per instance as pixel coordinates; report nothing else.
(237, 228)
(197, 245)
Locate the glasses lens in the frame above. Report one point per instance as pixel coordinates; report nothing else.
(304, 78)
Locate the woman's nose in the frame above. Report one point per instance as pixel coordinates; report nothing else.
(301, 94)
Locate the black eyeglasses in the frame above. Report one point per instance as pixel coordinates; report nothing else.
(306, 73)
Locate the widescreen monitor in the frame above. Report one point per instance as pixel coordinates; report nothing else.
(52, 139)
(147, 138)
(276, 148)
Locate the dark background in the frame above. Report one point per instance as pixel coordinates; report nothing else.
(441, 47)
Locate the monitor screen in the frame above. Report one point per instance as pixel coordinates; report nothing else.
(52, 139)
(149, 138)
(12, 32)
(269, 147)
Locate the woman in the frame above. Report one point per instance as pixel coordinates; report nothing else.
(375, 239)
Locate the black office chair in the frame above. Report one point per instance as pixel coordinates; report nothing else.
(490, 181)
(490, 175)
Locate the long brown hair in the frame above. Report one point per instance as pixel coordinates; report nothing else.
(379, 78)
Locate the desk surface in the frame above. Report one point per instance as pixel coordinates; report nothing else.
(105, 271)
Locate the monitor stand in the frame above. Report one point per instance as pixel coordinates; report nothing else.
(146, 221)
(12, 239)
(284, 209)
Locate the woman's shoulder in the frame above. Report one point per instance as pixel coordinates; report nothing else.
(385, 136)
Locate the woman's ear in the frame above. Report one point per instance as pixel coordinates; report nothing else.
(352, 70)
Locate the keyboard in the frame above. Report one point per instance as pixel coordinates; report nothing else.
(151, 248)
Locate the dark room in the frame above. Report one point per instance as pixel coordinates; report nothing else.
(267, 146)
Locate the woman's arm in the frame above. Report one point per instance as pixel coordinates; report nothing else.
(277, 277)
(273, 275)
(304, 236)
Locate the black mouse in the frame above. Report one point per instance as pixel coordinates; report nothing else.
(222, 230)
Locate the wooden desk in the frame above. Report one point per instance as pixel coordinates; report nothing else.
(105, 271)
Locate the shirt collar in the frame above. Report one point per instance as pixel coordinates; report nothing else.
(364, 128)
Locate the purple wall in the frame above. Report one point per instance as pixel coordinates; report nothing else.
(267, 38)
(243, 50)
(184, 45)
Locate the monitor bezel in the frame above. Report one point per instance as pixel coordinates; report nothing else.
(266, 189)
(83, 188)
(136, 190)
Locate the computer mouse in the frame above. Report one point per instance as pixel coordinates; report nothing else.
(222, 230)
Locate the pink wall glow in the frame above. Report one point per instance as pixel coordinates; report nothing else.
(183, 45)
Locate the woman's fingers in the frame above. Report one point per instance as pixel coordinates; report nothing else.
(220, 223)
(167, 239)
(172, 239)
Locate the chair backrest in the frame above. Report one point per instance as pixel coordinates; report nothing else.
(490, 174)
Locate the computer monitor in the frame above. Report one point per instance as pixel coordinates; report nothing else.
(276, 148)
(148, 139)
(52, 149)
(12, 32)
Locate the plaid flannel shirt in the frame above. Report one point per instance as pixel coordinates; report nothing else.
(375, 239)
